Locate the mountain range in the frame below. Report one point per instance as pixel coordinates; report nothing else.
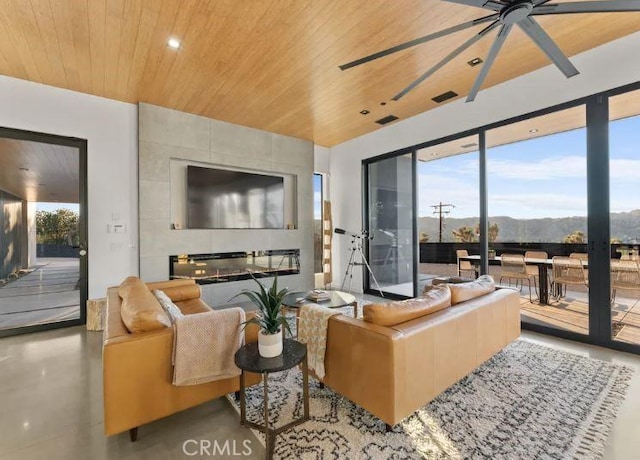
(625, 226)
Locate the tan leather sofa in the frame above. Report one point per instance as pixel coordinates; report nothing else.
(137, 370)
(392, 371)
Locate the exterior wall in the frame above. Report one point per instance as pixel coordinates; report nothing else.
(168, 136)
(13, 234)
(602, 68)
(110, 128)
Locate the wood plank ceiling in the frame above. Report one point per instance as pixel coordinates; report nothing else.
(269, 64)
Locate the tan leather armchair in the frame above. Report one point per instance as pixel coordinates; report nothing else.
(137, 369)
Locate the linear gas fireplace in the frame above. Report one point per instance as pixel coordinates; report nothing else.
(223, 267)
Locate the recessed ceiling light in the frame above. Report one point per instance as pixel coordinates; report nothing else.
(533, 131)
(474, 62)
(364, 112)
(174, 43)
(434, 154)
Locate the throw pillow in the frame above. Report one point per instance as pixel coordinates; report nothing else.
(467, 291)
(392, 313)
(171, 308)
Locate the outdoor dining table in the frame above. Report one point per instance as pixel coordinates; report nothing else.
(543, 269)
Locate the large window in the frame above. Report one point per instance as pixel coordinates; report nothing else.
(391, 219)
(448, 209)
(317, 223)
(557, 194)
(537, 203)
(624, 167)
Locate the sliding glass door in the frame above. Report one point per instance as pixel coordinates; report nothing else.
(556, 192)
(624, 220)
(391, 237)
(537, 207)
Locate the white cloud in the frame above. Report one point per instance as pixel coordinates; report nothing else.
(567, 167)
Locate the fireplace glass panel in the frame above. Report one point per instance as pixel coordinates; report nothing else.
(234, 266)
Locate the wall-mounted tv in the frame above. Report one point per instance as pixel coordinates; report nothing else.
(221, 198)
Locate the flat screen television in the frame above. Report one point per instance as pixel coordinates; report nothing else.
(221, 198)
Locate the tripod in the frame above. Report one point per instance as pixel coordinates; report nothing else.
(357, 258)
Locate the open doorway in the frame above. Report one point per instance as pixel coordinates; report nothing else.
(43, 234)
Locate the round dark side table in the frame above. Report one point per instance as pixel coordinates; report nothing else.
(248, 359)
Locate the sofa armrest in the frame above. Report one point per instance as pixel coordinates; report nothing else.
(363, 362)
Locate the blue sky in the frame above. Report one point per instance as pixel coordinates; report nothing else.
(55, 206)
(543, 177)
(317, 196)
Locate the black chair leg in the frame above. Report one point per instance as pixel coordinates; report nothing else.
(388, 428)
(133, 434)
(237, 395)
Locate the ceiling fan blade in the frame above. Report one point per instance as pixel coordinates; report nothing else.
(418, 41)
(548, 46)
(491, 57)
(588, 7)
(495, 5)
(446, 60)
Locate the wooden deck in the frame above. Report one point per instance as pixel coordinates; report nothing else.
(569, 313)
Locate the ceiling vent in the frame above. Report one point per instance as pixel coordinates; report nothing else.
(387, 119)
(444, 96)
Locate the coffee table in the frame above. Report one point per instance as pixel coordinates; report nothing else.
(295, 300)
(248, 359)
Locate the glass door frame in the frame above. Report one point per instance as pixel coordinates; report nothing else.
(367, 286)
(83, 232)
(598, 207)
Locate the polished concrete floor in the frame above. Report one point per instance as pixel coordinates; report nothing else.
(51, 400)
(48, 294)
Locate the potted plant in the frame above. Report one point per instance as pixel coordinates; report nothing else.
(269, 317)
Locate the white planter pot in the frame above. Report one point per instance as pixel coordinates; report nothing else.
(270, 345)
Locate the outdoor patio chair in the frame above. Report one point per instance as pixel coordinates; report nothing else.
(514, 267)
(582, 256)
(625, 274)
(567, 271)
(464, 265)
(534, 270)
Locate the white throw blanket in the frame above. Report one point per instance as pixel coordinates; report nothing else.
(205, 344)
(312, 330)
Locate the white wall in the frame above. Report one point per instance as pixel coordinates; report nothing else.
(609, 66)
(321, 159)
(110, 128)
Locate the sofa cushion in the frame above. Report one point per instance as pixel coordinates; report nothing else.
(467, 291)
(193, 306)
(165, 302)
(127, 284)
(140, 310)
(182, 293)
(392, 313)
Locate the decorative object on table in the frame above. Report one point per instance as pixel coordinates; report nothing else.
(319, 295)
(248, 360)
(337, 299)
(270, 317)
(529, 401)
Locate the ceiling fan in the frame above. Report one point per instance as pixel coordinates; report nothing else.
(506, 14)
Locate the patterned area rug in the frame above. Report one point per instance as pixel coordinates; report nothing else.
(527, 402)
